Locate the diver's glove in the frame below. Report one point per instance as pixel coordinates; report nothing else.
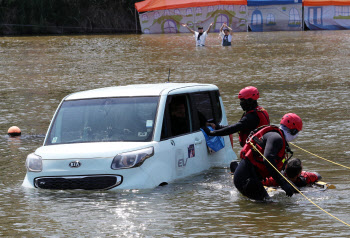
(206, 130)
(287, 188)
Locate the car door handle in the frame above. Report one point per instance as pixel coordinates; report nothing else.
(196, 142)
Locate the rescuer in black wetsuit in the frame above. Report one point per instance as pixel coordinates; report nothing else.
(254, 116)
(271, 141)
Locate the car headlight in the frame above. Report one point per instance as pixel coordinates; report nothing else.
(34, 163)
(131, 159)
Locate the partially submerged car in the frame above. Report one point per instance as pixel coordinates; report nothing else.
(129, 137)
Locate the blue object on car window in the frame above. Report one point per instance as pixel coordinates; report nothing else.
(215, 143)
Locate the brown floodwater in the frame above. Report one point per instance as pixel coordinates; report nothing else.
(303, 72)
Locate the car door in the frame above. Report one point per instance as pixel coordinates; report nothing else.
(207, 108)
(184, 145)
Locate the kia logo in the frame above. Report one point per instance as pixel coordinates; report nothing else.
(74, 164)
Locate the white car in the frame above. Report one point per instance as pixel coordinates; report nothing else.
(129, 137)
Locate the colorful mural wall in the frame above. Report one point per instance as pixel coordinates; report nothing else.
(281, 15)
(242, 15)
(327, 15)
(170, 20)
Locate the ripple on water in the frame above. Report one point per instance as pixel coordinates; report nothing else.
(302, 72)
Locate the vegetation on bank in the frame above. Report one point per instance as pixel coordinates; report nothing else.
(18, 17)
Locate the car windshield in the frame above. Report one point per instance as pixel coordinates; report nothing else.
(103, 120)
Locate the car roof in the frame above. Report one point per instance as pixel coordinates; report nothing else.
(140, 90)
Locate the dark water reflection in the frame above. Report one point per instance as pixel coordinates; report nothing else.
(302, 72)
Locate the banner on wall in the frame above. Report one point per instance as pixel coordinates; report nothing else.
(170, 20)
(158, 16)
(327, 14)
(277, 15)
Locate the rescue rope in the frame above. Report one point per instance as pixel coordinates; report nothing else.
(318, 156)
(297, 188)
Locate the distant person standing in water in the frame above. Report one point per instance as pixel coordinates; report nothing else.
(199, 35)
(226, 35)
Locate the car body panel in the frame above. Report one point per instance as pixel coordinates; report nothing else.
(175, 157)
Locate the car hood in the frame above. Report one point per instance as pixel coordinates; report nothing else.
(89, 150)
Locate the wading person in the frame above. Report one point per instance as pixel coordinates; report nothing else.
(254, 116)
(199, 35)
(294, 172)
(272, 142)
(225, 35)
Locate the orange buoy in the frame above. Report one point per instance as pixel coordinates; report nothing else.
(14, 131)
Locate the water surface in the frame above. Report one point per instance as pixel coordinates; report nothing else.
(302, 72)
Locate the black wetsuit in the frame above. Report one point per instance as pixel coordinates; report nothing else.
(248, 122)
(246, 177)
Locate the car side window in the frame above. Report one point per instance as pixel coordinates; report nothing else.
(177, 117)
(207, 107)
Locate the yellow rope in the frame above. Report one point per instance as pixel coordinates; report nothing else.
(319, 156)
(297, 188)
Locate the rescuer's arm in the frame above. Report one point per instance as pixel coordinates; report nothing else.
(247, 122)
(273, 145)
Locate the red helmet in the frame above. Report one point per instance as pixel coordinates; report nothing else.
(292, 121)
(249, 92)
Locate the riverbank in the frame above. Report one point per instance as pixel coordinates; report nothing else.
(46, 17)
